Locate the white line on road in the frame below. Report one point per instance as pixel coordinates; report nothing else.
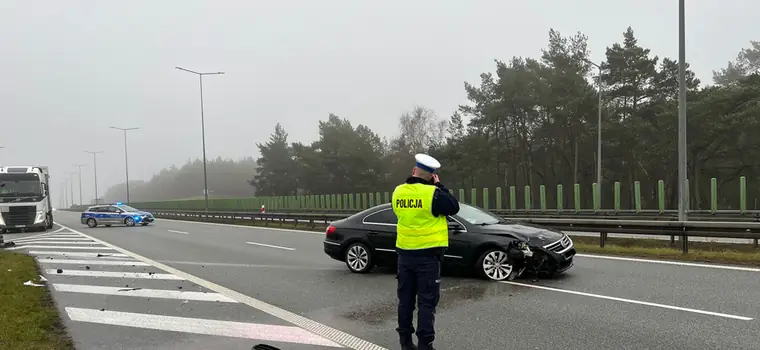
(93, 262)
(631, 301)
(56, 247)
(61, 239)
(267, 266)
(56, 242)
(338, 336)
(255, 331)
(182, 232)
(666, 262)
(270, 246)
(142, 293)
(112, 274)
(80, 254)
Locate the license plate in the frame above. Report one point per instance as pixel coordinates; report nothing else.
(21, 226)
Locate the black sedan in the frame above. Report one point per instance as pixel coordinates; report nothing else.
(495, 248)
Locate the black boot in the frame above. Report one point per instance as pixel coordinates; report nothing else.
(407, 343)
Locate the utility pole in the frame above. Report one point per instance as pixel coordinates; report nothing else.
(203, 130)
(71, 186)
(682, 160)
(126, 157)
(95, 166)
(80, 182)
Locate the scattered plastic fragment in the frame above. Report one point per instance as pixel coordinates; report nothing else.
(43, 279)
(30, 283)
(59, 271)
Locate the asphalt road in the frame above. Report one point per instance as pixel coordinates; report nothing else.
(598, 304)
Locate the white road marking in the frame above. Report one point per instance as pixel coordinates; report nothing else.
(270, 246)
(61, 239)
(255, 331)
(666, 262)
(93, 262)
(200, 263)
(248, 226)
(112, 274)
(340, 337)
(142, 293)
(56, 242)
(56, 247)
(725, 267)
(631, 301)
(79, 254)
(182, 232)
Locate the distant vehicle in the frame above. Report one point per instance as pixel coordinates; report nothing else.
(25, 198)
(494, 248)
(115, 214)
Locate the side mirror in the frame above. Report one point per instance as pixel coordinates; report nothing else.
(455, 226)
(44, 189)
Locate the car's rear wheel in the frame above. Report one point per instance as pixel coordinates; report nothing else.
(494, 264)
(91, 223)
(359, 258)
(129, 221)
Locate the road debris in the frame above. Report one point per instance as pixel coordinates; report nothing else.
(30, 283)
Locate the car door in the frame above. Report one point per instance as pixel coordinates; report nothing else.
(101, 215)
(381, 226)
(114, 215)
(459, 243)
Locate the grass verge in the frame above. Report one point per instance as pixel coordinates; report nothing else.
(28, 316)
(712, 252)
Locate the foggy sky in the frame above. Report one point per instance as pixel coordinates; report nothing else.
(70, 69)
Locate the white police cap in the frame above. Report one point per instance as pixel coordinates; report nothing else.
(426, 162)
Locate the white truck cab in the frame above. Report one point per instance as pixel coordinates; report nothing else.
(25, 198)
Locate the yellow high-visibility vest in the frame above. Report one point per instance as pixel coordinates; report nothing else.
(417, 227)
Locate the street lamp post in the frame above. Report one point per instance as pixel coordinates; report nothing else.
(126, 157)
(65, 200)
(71, 186)
(682, 203)
(80, 182)
(95, 166)
(203, 130)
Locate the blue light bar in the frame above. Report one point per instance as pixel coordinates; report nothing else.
(119, 203)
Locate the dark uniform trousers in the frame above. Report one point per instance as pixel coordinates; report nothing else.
(419, 277)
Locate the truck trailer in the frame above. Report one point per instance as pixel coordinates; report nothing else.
(25, 203)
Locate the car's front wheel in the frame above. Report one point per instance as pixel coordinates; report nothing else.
(494, 264)
(129, 221)
(91, 223)
(359, 258)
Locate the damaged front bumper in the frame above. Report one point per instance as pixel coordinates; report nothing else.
(556, 257)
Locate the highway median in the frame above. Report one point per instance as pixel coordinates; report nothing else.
(29, 318)
(699, 251)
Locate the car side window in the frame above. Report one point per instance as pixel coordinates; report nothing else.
(96, 209)
(113, 209)
(387, 217)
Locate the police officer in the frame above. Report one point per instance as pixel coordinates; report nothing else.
(422, 236)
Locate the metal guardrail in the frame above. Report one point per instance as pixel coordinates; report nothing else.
(682, 230)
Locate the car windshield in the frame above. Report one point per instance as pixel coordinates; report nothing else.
(127, 208)
(19, 185)
(477, 216)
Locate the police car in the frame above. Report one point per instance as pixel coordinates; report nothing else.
(115, 214)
